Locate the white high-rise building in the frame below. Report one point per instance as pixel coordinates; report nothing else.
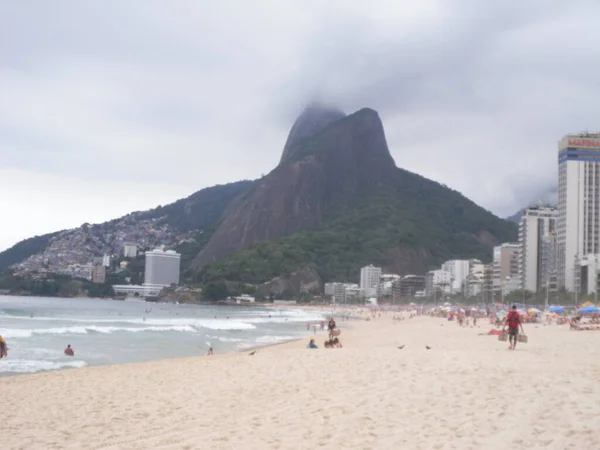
(578, 223)
(369, 280)
(162, 267)
(505, 266)
(459, 271)
(537, 223)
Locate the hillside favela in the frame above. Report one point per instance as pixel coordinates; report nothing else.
(392, 181)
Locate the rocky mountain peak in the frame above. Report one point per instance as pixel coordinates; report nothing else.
(314, 118)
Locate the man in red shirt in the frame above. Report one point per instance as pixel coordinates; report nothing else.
(513, 320)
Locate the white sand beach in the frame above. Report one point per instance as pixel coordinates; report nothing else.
(467, 392)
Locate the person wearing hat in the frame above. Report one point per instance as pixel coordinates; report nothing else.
(513, 320)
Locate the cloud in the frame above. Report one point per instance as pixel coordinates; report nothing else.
(173, 97)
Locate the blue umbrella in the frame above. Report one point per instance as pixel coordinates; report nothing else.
(557, 309)
(589, 309)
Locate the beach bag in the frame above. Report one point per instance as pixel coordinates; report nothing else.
(503, 336)
(522, 338)
(336, 332)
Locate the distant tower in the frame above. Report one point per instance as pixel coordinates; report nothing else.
(578, 224)
(536, 225)
(369, 280)
(162, 267)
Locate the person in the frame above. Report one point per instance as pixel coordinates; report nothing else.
(312, 344)
(331, 326)
(69, 351)
(513, 320)
(336, 343)
(210, 351)
(3, 348)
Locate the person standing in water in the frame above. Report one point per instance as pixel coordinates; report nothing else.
(69, 351)
(3, 348)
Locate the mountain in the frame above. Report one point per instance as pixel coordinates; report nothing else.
(184, 224)
(516, 217)
(325, 174)
(312, 120)
(337, 201)
(24, 250)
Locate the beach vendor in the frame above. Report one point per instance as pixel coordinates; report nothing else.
(513, 320)
(3, 348)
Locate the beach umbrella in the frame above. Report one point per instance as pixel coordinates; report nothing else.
(589, 309)
(557, 309)
(586, 304)
(533, 311)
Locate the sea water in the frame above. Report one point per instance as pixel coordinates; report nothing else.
(37, 330)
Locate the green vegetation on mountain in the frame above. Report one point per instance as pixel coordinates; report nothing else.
(200, 210)
(24, 250)
(55, 285)
(412, 229)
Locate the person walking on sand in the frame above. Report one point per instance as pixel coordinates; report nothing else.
(513, 320)
(210, 352)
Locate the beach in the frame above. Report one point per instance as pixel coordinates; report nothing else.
(466, 392)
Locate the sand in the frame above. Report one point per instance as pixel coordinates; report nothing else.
(467, 392)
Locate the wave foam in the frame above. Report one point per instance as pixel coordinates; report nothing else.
(32, 366)
(27, 333)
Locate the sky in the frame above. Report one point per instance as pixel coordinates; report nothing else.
(112, 107)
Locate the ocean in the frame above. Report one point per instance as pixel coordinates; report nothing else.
(37, 330)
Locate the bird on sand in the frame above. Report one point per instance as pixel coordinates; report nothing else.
(428, 347)
(401, 347)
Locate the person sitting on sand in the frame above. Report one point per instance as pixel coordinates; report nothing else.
(336, 343)
(327, 344)
(514, 322)
(312, 344)
(69, 351)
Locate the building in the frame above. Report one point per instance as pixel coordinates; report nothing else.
(459, 270)
(162, 267)
(328, 289)
(487, 285)
(408, 287)
(337, 292)
(505, 266)
(537, 223)
(129, 250)
(386, 281)
(587, 268)
(437, 280)
(369, 280)
(106, 260)
(99, 274)
(578, 218)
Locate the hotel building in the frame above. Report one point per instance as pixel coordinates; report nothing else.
(578, 222)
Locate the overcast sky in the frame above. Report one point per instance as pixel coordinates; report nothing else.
(107, 107)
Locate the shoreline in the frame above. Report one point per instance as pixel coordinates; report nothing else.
(252, 346)
(385, 389)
